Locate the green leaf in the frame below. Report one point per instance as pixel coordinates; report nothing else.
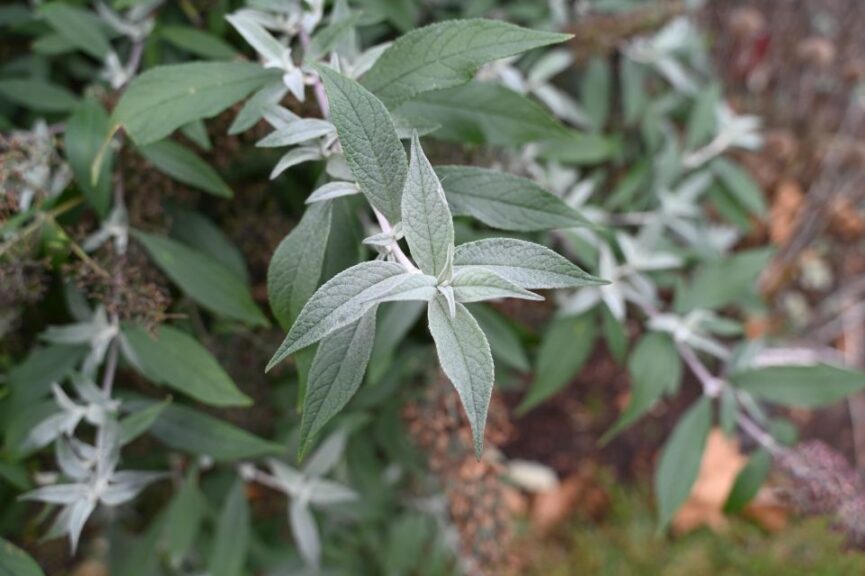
(196, 131)
(447, 54)
(572, 147)
(369, 140)
(680, 460)
(203, 279)
(477, 284)
(174, 358)
(186, 429)
(483, 113)
(395, 321)
(296, 266)
(43, 366)
(85, 132)
(167, 97)
(326, 38)
(38, 95)
(748, 481)
(185, 515)
(504, 201)
(427, 221)
(16, 562)
(79, 27)
(741, 185)
(336, 373)
(346, 297)
(140, 421)
(191, 228)
(595, 92)
(655, 369)
(504, 342)
(228, 556)
(185, 166)
(701, 120)
(198, 42)
(566, 345)
(718, 283)
(524, 263)
(800, 386)
(465, 358)
(615, 335)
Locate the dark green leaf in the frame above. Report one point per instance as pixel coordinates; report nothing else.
(748, 481)
(16, 562)
(83, 138)
(185, 166)
(228, 557)
(800, 386)
(198, 42)
(38, 95)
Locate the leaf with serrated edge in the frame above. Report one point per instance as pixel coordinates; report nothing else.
(504, 201)
(447, 54)
(427, 221)
(342, 300)
(295, 268)
(369, 140)
(477, 284)
(526, 264)
(337, 371)
(465, 358)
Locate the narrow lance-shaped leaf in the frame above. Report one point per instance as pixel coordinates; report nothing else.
(477, 284)
(16, 562)
(203, 279)
(167, 97)
(655, 369)
(79, 27)
(427, 221)
(336, 373)
(446, 54)
(83, 138)
(504, 201)
(565, 348)
(176, 359)
(369, 140)
(680, 459)
(524, 263)
(465, 358)
(800, 386)
(228, 557)
(346, 297)
(185, 166)
(296, 265)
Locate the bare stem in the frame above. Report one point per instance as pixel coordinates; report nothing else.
(394, 246)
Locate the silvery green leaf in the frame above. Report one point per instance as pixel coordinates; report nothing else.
(75, 463)
(338, 168)
(294, 157)
(257, 37)
(79, 512)
(336, 373)
(524, 263)
(254, 108)
(447, 292)
(504, 201)
(465, 358)
(427, 221)
(326, 492)
(59, 494)
(405, 128)
(332, 190)
(562, 105)
(551, 64)
(290, 479)
(369, 141)
(328, 37)
(476, 284)
(305, 532)
(79, 27)
(380, 240)
(414, 287)
(126, 485)
(342, 300)
(327, 456)
(295, 267)
(297, 132)
(447, 54)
